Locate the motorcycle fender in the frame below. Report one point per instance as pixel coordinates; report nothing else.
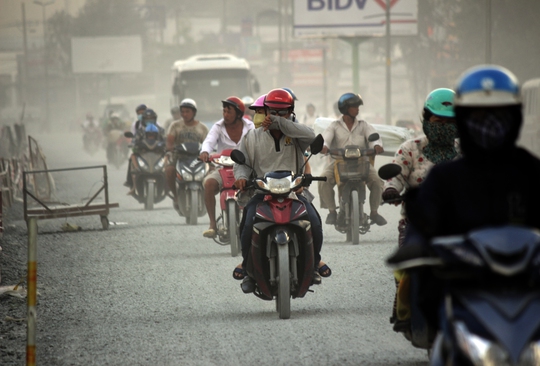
(194, 186)
(227, 194)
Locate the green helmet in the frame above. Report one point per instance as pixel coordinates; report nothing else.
(440, 102)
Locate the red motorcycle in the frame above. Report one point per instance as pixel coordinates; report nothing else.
(281, 255)
(227, 222)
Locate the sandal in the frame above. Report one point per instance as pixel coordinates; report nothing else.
(239, 273)
(325, 271)
(210, 233)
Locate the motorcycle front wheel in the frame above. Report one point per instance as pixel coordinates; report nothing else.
(193, 213)
(355, 218)
(232, 224)
(150, 193)
(283, 298)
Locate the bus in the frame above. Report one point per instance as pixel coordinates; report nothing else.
(210, 78)
(530, 132)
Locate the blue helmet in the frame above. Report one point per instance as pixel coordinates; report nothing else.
(487, 86)
(289, 90)
(151, 128)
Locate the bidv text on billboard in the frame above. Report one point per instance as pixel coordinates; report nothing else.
(332, 18)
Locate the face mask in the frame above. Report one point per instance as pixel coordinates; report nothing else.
(490, 130)
(440, 133)
(139, 117)
(258, 119)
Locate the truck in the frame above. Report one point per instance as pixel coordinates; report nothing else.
(208, 79)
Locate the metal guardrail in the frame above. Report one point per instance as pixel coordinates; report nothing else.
(46, 211)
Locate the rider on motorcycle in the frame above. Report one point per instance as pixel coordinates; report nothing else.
(187, 129)
(492, 185)
(348, 130)
(138, 122)
(224, 134)
(149, 118)
(278, 145)
(416, 157)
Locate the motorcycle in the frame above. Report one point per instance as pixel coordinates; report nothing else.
(149, 173)
(92, 140)
(351, 170)
(228, 221)
(281, 256)
(190, 172)
(117, 147)
(489, 285)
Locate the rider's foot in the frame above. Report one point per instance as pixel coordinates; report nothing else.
(210, 233)
(324, 270)
(377, 219)
(239, 273)
(126, 184)
(340, 218)
(131, 191)
(316, 278)
(248, 285)
(331, 218)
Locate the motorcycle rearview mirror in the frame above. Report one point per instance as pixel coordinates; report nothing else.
(238, 157)
(389, 171)
(128, 134)
(316, 145)
(373, 137)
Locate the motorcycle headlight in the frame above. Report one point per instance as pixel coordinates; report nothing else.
(199, 176)
(279, 186)
(142, 164)
(186, 175)
(160, 163)
(352, 153)
(262, 184)
(481, 352)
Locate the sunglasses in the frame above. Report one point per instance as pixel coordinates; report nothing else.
(278, 112)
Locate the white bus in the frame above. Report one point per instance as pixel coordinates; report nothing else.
(208, 79)
(530, 132)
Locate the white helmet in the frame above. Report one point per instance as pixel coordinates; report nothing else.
(248, 101)
(189, 103)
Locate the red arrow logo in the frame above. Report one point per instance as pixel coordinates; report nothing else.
(382, 3)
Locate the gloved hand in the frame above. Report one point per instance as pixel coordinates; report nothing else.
(390, 194)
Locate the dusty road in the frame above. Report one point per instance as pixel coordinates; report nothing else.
(153, 291)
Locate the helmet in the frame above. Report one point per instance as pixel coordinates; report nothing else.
(247, 100)
(291, 93)
(487, 86)
(149, 115)
(440, 102)
(140, 107)
(259, 103)
(349, 100)
(151, 128)
(189, 103)
(236, 103)
(279, 98)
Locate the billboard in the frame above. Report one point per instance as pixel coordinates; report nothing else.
(105, 55)
(334, 18)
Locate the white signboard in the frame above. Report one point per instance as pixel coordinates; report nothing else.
(106, 54)
(331, 18)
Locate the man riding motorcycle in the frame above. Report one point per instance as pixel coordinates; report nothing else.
(348, 130)
(278, 145)
(224, 134)
(187, 129)
(492, 185)
(149, 117)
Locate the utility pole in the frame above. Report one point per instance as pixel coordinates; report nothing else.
(488, 31)
(24, 76)
(45, 61)
(388, 67)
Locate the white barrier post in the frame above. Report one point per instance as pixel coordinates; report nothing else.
(32, 292)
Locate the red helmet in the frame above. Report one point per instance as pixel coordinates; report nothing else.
(236, 103)
(279, 99)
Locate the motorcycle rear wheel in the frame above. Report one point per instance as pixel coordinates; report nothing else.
(283, 298)
(232, 224)
(355, 218)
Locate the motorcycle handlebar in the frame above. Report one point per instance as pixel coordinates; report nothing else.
(322, 179)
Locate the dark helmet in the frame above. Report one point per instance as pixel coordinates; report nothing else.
(291, 93)
(149, 116)
(349, 100)
(279, 99)
(237, 104)
(140, 107)
(488, 110)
